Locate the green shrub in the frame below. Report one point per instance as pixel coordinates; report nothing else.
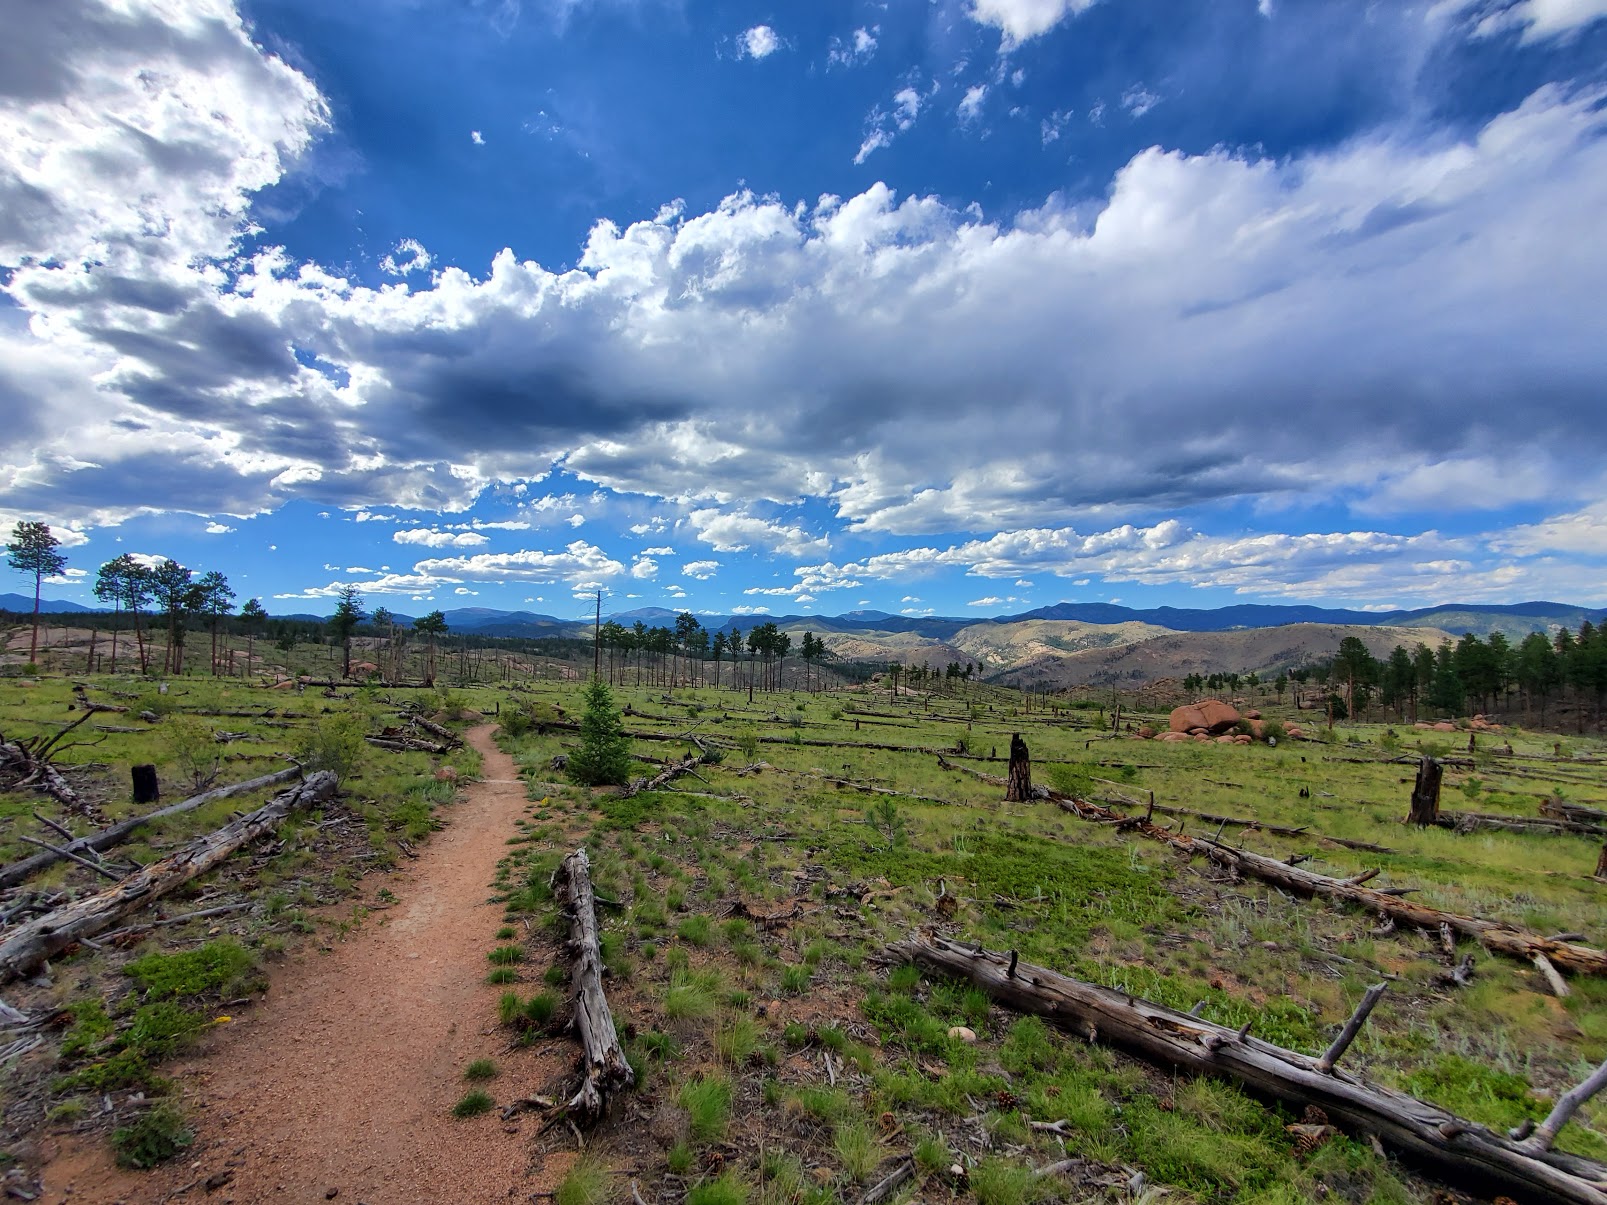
(194, 750)
(334, 743)
(220, 964)
(156, 1136)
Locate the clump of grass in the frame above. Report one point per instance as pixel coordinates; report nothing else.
(506, 955)
(727, 1190)
(540, 1009)
(506, 933)
(857, 1149)
(736, 1040)
(680, 1159)
(695, 930)
(503, 975)
(586, 1184)
(473, 1104)
(480, 1069)
(795, 980)
(509, 1008)
(154, 1137)
(707, 1101)
(996, 1182)
(689, 997)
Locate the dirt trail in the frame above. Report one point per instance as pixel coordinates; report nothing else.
(345, 1075)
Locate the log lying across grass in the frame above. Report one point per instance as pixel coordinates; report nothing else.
(1160, 1035)
(107, 838)
(1493, 935)
(1469, 822)
(30, 944)
(687, 765)
(605, 1068)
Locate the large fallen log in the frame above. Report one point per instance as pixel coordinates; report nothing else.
(1572, 813)
(605, 1069)
(30, 944)
(1471, 822)
(408, 744)
(1246, 822)
(1496, 936)
(107, 838)
(1417, 1128)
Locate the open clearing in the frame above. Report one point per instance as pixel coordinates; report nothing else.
(780, 1056)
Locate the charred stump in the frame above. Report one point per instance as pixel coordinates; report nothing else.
(146, 788)
(1426, 793)
(1018, 779)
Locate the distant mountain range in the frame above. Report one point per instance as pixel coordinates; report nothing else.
(1512, 619)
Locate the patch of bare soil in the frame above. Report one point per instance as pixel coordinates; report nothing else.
(345, 1076)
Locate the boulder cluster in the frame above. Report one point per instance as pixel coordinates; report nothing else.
(1214, 720)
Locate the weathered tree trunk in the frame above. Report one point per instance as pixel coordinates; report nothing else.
(664, 777)
(1018, 779)
(1426, 794)
(32, 943)
(605, 1067)
(146, 787)
(1493, 935)
(1175, 1039)
(107, 838)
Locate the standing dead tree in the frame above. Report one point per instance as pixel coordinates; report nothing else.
(605, 1069)
(1523, 1164)
(31, 944)
(1018, 778)
(1425, 809)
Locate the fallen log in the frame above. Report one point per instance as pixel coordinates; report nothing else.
(32, 943)
(1245, 822)
(1470, 822)
(406, 744)
(1495, 936)
(18, 871)
(1573, 813)
(1161, 1035)
(451, 738)
(605, 1069)
(664, 777)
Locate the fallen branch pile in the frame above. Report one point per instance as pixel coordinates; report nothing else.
(1522, 1163)
(687, 765)
(401, 740)
(29, 761)
(107, 838)
(604, 1066)
(30, 944)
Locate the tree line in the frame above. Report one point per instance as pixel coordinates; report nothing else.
(665, 655)
(162, 594)
(1457, 678)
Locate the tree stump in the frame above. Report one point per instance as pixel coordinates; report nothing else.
(146, 788)
(1018, 779)
(1426, 794)
(1601, 864)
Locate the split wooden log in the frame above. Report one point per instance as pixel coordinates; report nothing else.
(407, 744)
(1018, 778)
(107, 838)
(1469, 822)
(605, 1068)
(31, 944)
(1162, 1035)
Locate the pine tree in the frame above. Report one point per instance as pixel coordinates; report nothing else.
(33, 550)
(604, 755)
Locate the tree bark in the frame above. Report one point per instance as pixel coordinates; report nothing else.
(1426, 794)
(1175, 1039)
(605, 1069)
(48, 935)
(1018, 779)
(107, 838)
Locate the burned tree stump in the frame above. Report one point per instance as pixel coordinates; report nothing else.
(1426, 794)
(1601, 863)
(605, 1069)
(146, 788)
(1018, 779)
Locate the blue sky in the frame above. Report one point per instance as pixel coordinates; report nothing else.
(933, 306)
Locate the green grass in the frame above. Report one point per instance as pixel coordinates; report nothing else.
(480, 1069)
(215, 966)
(473, 1104)
(584, 1184)
(707, 1101)
(154, 1137)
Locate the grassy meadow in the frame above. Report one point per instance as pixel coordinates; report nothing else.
(780, 1057)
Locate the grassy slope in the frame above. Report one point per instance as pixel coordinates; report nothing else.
(1070, 895)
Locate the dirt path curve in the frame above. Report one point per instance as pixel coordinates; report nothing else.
(344, 1076)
